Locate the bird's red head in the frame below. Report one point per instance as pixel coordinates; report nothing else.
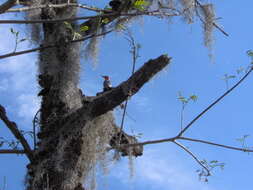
(106, 77)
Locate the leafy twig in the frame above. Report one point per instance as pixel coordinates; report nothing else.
(184, 102)
(194, 157)
(215, 102)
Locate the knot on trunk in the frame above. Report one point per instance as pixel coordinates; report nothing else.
(121, 138)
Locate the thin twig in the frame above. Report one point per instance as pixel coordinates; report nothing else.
(194, 157)
(15, 131)
(146, 143)
(23, 9)
(215, 102)
(13, 151)
(220, 29)
(214, 24)
(215, 144)
(50, 46)
(182, 116)
(134, 57)
(34, 129)
(139, 13)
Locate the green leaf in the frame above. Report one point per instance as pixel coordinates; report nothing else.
(182, 99)
(121, 27)
(214, 161)
(105, 20)
(226, 77)
(231, 76)
(141, 5)
(193, 98)
(140, 8)
(84, 28)
(250, 53)
(68, 25)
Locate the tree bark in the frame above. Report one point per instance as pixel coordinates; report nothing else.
(74, 130)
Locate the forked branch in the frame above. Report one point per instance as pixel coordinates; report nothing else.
(15, 131)
(215, 102)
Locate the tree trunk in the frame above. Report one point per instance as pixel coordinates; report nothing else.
(74, 130)
(58, 158)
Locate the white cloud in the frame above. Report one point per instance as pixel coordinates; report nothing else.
(18, 77)
(158, 170)
(28, 105)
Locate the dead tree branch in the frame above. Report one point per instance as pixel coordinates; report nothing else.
(15, 131)
(109, 100)
(5, 6)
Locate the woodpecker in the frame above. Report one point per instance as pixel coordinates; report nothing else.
(107, 83)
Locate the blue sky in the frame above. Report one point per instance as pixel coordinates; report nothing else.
(155, 109)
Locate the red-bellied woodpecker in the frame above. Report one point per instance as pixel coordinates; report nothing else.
(107, 83)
